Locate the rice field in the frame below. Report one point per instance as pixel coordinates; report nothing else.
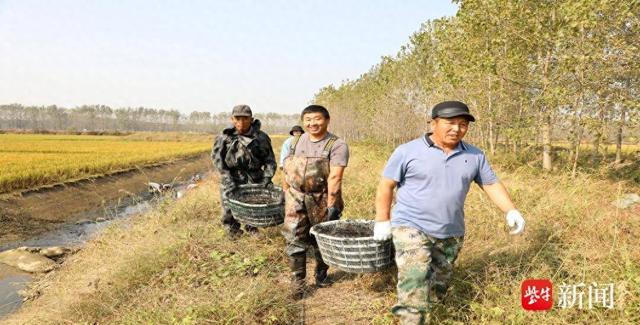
(627, 148)
(33, 160)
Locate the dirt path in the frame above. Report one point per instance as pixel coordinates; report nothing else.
(351, 299)
(31, 213)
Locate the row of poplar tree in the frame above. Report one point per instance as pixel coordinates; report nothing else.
(102, 118)
(535, 73)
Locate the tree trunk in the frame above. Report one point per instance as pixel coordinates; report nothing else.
(546, 117)
(491, 136)
(507, 143)
(576, 139)
(492, 118)
(598, 134)
(496, 136)
(595, 146)
(619, 137)
(546, 142)
(605, 139)
(576, 156)
(482, 137)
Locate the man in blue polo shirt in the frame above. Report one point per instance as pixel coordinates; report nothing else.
(432, 175)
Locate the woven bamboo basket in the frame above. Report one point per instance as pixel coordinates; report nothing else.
(349, 246)
(243, 203)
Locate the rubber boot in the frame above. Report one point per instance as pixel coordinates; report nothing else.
(251, 230)
(233, 232)
(298, 266)
(231, 226)
(322, 278)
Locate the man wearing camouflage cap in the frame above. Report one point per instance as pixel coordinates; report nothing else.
(242, 154)
(432, 175)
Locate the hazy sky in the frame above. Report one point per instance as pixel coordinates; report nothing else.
(196, 55)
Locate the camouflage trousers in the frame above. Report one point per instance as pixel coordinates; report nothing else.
(425, 267)
(227, 217)
(301, 211)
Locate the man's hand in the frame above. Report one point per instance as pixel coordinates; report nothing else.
(228, 188)
(514, 219)
(228, 185)
(333, 213)
(382, 230)
(267, 183)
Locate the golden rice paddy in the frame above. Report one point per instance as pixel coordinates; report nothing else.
(33, 160)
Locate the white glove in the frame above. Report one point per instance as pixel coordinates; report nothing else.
(382, 230)
(514, 219)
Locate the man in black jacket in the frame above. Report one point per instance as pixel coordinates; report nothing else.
(242, 154)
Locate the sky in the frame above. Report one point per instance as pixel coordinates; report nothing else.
(196, 55)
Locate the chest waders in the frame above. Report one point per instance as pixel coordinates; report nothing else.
(305, 206)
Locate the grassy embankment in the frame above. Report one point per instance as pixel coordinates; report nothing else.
(32, 160)
(175, 266)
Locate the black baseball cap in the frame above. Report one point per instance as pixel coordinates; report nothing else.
(450, 109)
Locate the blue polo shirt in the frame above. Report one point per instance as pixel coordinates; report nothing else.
(432, 186)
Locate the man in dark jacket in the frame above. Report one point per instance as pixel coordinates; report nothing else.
(242, 154)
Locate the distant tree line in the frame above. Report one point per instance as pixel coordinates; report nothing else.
(101, 118)
(534, 73)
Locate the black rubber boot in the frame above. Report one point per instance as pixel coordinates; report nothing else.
(251, 230)
(322, 278)
(232, 231)
(298, 266)
(231, 225)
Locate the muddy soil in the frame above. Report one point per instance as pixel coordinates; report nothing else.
(28, 214)
(349, 231)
